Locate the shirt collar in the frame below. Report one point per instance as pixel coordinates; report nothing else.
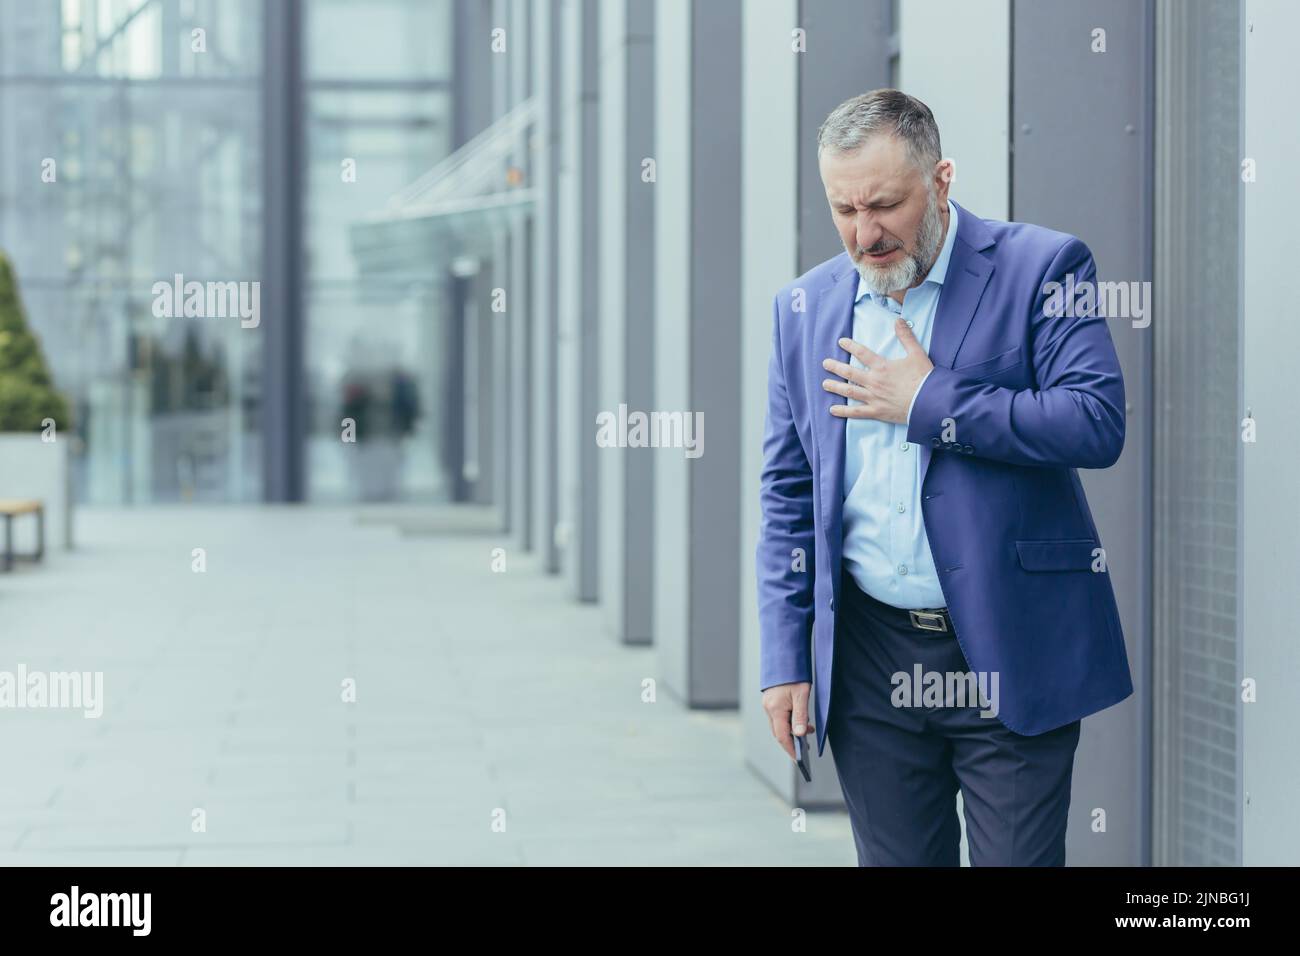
(939, 271)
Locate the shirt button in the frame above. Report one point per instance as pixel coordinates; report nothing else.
(904, 447)
(902, 569)
(900, 508)
(909, 323)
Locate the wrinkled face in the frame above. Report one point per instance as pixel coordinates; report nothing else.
(889, 216)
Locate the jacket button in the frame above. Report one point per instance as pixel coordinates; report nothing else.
(935, 442)
(968, 448)
(832, 603)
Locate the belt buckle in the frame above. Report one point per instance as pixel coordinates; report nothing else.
(929, 620)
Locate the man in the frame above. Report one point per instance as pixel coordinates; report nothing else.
(930, 399)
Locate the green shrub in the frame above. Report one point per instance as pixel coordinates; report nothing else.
(27, 393)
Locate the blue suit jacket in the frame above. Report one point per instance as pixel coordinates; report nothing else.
(1028, 397)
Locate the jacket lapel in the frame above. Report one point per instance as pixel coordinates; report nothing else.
(834, 320)
(968, 274)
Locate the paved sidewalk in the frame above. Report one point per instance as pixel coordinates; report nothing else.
(476, 692)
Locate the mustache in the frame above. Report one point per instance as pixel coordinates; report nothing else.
(876, 251)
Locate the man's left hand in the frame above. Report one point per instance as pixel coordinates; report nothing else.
(885, 386)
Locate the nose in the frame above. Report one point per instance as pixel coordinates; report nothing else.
(868, 232)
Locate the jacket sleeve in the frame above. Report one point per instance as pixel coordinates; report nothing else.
(785, 582)
(1074, 418)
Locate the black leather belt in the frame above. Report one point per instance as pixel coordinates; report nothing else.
(922, 619)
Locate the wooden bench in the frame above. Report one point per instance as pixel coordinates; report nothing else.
(11, 508)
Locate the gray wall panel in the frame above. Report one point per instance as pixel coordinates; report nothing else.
(626, 265)
(697, 269)
(1271, 518)
(848, 54)
(545, 36)
(1083, 138)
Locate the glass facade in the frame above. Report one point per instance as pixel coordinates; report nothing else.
(130, 153)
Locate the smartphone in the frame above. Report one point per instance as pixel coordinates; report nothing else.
(802, 756)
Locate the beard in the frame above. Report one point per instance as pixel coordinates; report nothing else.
(913, 267)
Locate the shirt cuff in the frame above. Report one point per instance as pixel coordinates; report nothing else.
(916, 393)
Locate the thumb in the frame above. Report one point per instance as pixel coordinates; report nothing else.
(904, 333)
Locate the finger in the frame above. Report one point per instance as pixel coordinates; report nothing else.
(856, 392)
(860, 352)
(799, 718)
(854, 411)
(781, 731)
(843, 370)
(906, 337)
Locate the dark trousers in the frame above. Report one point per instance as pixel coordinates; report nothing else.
(900, 766)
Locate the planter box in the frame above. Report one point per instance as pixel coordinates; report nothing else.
(376, 465)
(31, 468)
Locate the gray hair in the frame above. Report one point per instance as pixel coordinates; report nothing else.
(856, 120)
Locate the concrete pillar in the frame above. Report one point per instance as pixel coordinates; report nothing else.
(519, 312)
(940, 40)
(1106, 158)
(502, 457)
(474, 65)
(543, 415)
(697, 363)
(1269, 546)
(627, 296)
(576, 296)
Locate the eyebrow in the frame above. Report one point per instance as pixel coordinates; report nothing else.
(886, 200)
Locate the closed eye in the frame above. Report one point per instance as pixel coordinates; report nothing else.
(848, 210)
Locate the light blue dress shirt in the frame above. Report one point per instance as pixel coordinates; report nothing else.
(885, 545)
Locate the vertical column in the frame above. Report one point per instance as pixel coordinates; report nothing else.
(774, 154)
(545, 34)
(486, 393)
(1270, 521)
(520, 314)
(473, 111)
(284, 417)
(578, 330)
(939, 41)
(697, 364)
(626, 318)
(502, 380)
(1089, 173)
(451, 405)
(1196, 445)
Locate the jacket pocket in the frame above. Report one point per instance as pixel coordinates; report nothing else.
(998, 363)
(1060, 554)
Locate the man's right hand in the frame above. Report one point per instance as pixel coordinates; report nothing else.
(787, 707)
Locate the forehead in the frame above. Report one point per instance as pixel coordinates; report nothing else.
(880, 165)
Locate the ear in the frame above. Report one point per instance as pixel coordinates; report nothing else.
(945, 171)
